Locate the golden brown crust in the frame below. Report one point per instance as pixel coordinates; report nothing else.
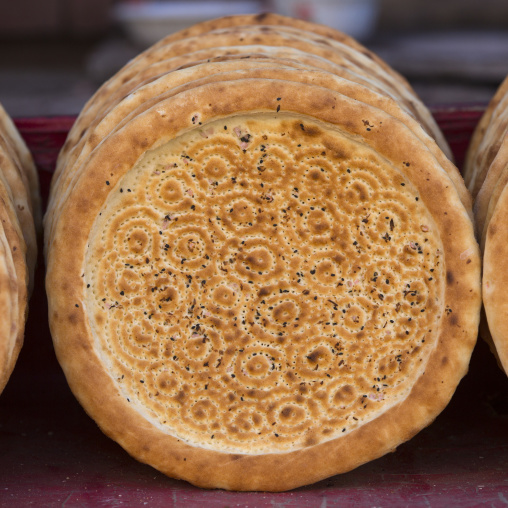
(337, 52)
(268, 19)
(457, 316)
(275, 20)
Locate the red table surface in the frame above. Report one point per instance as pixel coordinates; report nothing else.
(53, 454)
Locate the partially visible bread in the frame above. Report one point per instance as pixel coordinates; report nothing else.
(487, 176)
(19, 201)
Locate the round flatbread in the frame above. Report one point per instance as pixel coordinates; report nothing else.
(18, 244)
(487, 176)
(267, 297)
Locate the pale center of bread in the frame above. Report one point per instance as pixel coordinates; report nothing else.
(263, 283)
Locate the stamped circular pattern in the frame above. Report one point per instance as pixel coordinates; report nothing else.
(261, 288)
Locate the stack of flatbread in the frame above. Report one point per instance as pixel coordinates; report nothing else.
(262, 269)
(486, 174)
(20, 217)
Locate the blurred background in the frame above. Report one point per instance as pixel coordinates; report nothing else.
(55, 53)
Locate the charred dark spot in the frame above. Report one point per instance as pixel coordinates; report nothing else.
(264, 291)
(314, 356)
(454, 319)
(450, 277)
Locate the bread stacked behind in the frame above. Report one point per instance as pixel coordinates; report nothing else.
(261, 264)
(487, 176)
(19, 204)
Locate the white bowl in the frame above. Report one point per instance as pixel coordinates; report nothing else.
(356, 18)
(148, 22)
